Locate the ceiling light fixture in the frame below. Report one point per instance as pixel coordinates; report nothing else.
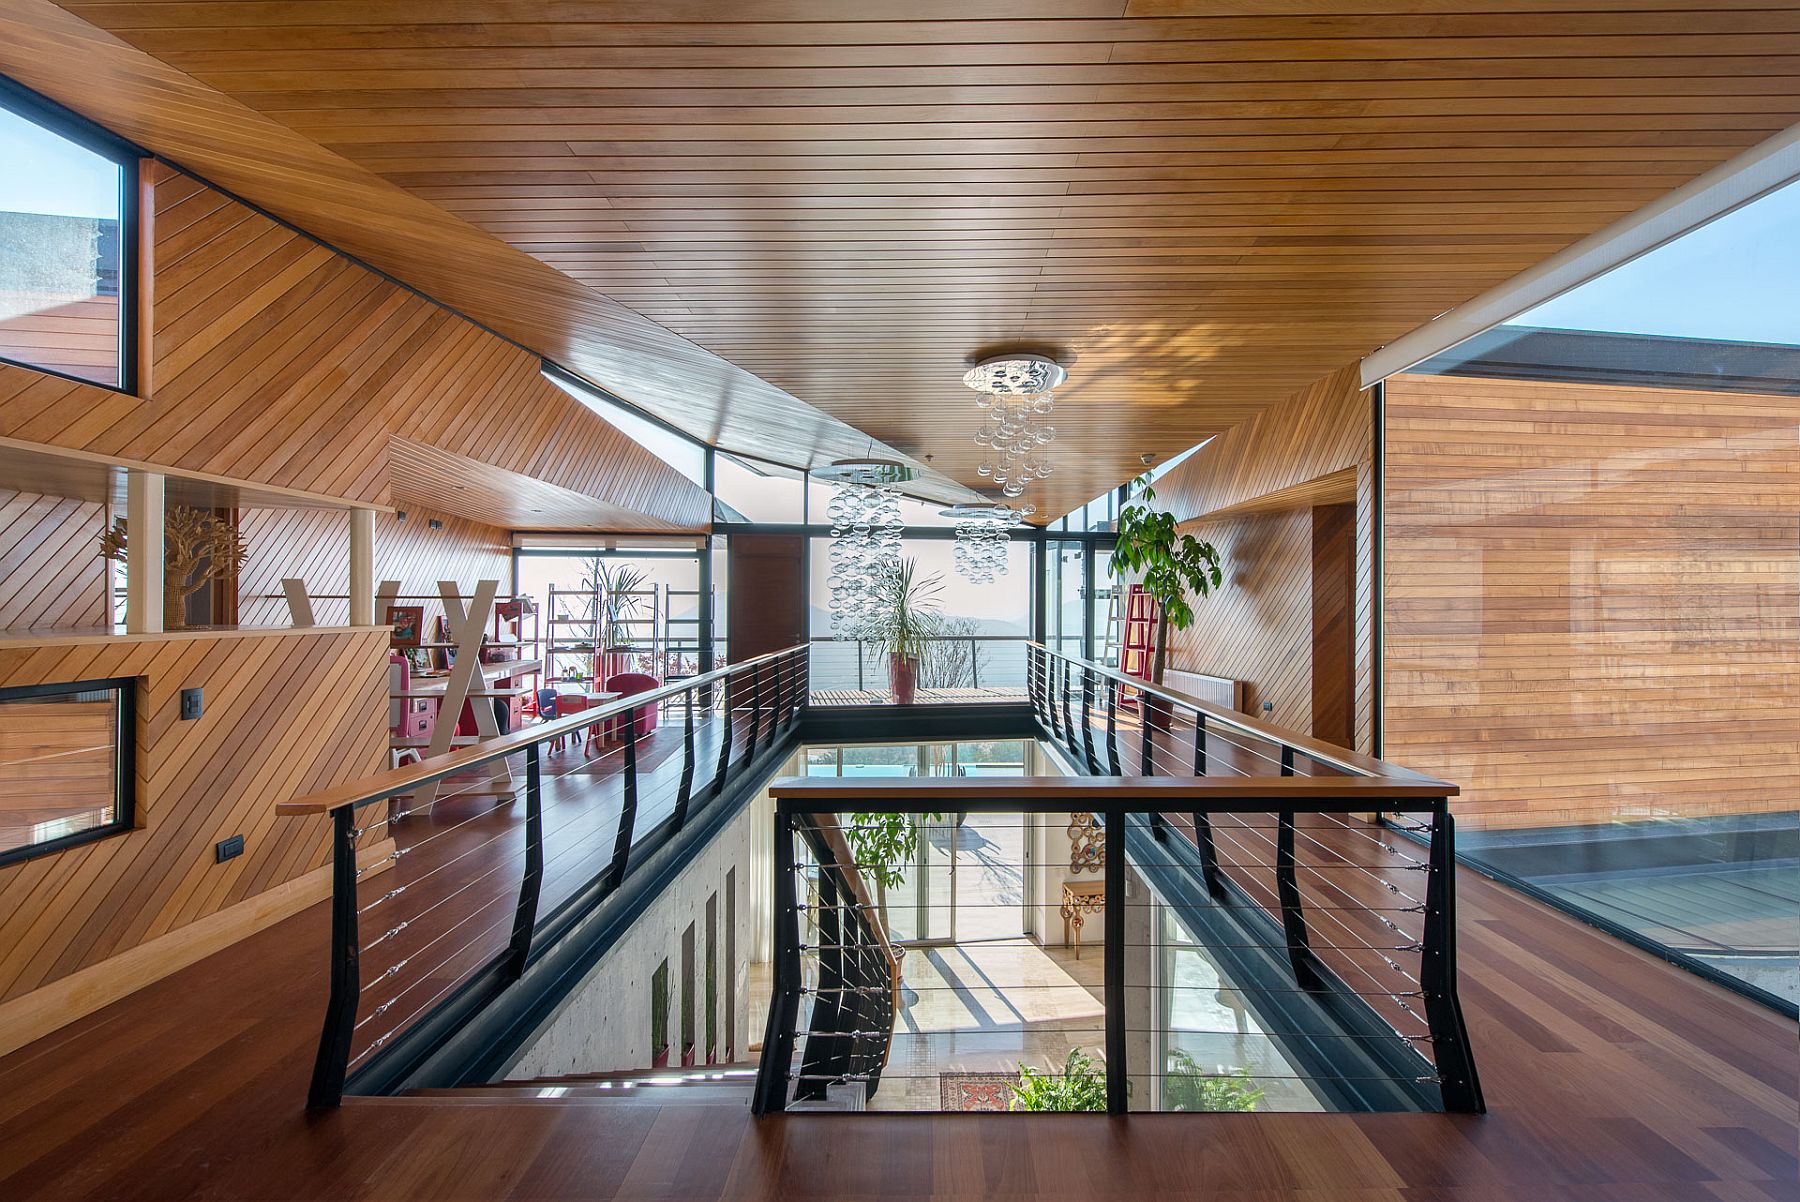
(1015, 375)
(871, 473)
(1015, 390)
(982, 540)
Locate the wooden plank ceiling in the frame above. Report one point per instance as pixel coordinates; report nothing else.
(1199, 206)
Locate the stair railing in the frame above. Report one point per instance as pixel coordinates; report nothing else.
(811, 894)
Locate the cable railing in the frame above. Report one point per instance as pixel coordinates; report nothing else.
(442, 888)
(856, 992)
(992, 664)
(1342, 943)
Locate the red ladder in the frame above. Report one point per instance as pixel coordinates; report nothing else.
(1138, 646)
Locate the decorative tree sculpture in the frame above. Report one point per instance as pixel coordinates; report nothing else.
(198, 547)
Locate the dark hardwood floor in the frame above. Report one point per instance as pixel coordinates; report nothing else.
(1610, 1077)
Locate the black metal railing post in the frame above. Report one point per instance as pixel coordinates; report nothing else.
(333, 1060)
(784, 1001)
(1293, 918)
(1068, 718)
(621, 858)
(1118, 1082)
(1203, 834)
(1112, 725)
(684, 789)
(725, 734)
(532, 881)
(1087, 721)
(790, 701)
(1455, 1061)
(974, 665)
(755, 712)
(784, 685)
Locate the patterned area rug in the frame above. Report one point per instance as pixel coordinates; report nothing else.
(969, 1092)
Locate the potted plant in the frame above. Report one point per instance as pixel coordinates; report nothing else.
(1169, 564)
(882, 846)
(1080, 1086)
(905, 622)
(614, 599)
(1186, 1086)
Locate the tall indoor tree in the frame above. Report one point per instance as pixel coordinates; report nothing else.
(1169, 564)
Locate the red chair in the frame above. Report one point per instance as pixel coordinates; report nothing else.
(574, 703)
(627, 684)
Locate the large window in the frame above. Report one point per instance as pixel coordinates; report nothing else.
(67, 218)
(1591, 616)
(980, 630)
(749, 490)
(65, 765)
(607, 612)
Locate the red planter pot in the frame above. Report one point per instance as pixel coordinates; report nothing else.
(903, 678)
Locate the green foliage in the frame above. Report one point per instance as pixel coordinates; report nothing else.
(1080, 1086)
(616, 589)
(884, 844)
(1171, 564)
(1188, 1087)
(909, 610)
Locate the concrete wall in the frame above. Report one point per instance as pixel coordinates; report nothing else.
(605, 1024)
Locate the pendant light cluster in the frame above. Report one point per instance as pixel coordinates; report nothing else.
(1016, 392)
(982, 540)
(865, 539)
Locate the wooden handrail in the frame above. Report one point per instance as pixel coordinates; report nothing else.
(395, 781)
(1057, 793)
(1341, 758)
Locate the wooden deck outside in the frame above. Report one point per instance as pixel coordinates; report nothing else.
(925, 696)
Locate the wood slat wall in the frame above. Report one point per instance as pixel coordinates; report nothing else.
(79, 338)
(284, 715)
(51, 573)
(310, 545)
(1259, 629)
(1593, 604)
(277, 360)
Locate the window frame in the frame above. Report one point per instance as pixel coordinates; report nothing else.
(27, 105)
(124, 764)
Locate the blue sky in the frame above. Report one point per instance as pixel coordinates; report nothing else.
(43, 173)
(1737, 278)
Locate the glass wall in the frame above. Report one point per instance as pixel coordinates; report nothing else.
(1065, 592)
(64, 206)
(748, 490)
(980, 630)
(1592, 596)
(616, 611)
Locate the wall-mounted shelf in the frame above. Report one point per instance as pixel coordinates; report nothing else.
(75, 635)
(85, 476)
